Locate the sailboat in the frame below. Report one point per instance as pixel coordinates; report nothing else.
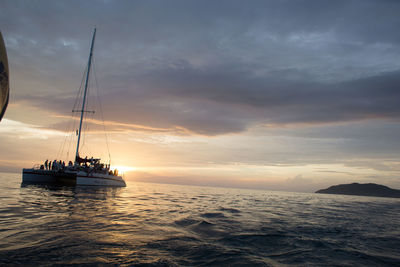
(83, 171)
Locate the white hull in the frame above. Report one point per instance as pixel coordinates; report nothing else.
(35, 176)
(100, 180)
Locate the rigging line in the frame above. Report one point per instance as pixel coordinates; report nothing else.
(71, 132)
(92, 106)
(80, 92)
(85, 117)
(101, 111)
(70, 122)
(85, 125)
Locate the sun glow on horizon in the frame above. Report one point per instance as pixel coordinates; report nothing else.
(123, 169)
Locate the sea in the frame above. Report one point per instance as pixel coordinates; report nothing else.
(148, 224)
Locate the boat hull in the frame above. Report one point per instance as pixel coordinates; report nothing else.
(37, 176)
(100, 180)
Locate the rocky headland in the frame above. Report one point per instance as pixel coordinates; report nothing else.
(357, 189)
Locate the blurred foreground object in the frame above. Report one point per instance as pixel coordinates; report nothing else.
(4, 80)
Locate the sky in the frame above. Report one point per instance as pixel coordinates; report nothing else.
(274, 95)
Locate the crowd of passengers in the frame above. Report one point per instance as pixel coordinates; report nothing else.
(81, 164)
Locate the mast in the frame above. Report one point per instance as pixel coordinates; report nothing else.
(84, 95)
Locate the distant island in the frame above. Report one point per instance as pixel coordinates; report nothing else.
(357, 189)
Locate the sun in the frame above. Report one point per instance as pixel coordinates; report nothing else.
(123, 169)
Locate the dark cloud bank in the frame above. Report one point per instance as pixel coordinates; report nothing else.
(215, 67)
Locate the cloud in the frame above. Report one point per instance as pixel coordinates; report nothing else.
(211, 68)
(25, 131)
(215, 102)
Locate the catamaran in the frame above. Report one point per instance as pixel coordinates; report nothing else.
(83, 171)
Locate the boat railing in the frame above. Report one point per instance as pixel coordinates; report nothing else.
(56, 167)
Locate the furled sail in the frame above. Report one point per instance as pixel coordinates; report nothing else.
(4, 78)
